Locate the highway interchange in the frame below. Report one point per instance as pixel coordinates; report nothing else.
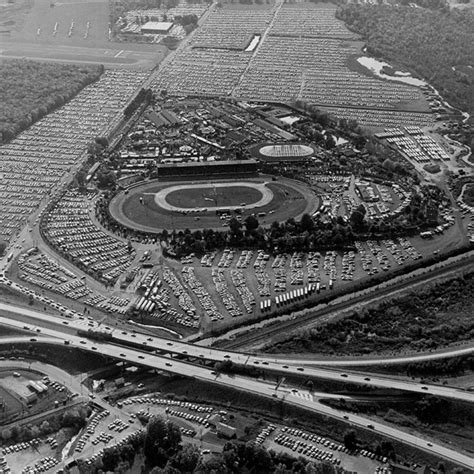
(46, 328)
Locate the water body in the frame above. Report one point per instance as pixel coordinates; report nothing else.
(375, 66)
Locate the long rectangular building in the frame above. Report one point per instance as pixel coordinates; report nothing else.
(208, 168)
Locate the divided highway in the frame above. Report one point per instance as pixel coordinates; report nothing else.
(65, 328)
(299, 398)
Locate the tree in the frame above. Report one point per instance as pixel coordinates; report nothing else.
(110, 459)
(350, 440)
(81, 179)
(235, 227)
(162, 441)
(357, 218)
(106, 178)
(102, 141)
(307, 223)
(186, 459)
(251, 224)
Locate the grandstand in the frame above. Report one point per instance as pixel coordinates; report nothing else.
(207, 168)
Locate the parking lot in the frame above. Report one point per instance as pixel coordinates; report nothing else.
(34, 163)
(310, 52)
(298, 442)
(69, 229)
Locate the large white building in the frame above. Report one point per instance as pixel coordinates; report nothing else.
(157, 27)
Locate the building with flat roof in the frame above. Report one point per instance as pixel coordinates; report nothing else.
(157, 27)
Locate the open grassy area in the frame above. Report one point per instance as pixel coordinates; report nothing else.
(212, 197)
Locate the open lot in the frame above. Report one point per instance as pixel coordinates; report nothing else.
(70, 31)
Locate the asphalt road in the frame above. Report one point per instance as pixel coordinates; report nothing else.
(64, 329)
(256, 387)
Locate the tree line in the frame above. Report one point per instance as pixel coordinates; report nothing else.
(435, 317)
(435, 44)
(30, 90)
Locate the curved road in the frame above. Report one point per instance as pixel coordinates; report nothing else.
(259, 388)
(64, 329)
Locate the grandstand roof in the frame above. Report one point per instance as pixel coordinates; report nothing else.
(198, 164)
(156, 26)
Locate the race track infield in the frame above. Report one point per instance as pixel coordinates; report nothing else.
(154, 206)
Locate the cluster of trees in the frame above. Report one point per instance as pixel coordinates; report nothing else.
(434, 44)
(74, 418)
(29, 90)
(468, 195)
(307, 234)
(143, 96)
(436, 317)
(164, 453)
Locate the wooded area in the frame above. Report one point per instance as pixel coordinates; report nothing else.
(435, 44)
(439, 315)
(29, 90)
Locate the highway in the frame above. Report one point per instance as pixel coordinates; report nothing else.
(299, 398)
(64, 329)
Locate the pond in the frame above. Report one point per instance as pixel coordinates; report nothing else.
(377, 66)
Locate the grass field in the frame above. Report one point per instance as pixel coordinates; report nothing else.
(70, 31)
(50, 22)
(127, 209)
(213, 197)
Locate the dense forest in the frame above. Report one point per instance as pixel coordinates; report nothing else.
(439, 315)
(435, 44)
(29, 90)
